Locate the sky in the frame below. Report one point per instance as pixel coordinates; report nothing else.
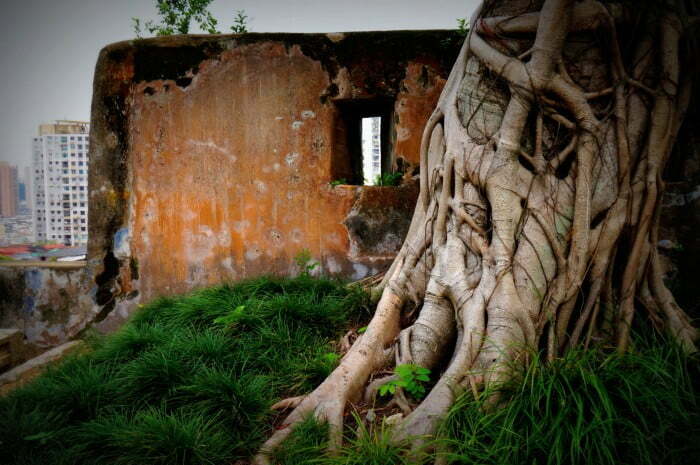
(48, 48)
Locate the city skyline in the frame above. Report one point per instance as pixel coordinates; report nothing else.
(49, 49)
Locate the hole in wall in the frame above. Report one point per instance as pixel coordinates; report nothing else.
(363, 140)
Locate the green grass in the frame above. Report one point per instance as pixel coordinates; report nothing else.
(173, 387)
(587, 408)
(189, 380)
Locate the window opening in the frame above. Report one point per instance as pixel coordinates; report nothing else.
(371, 149)
(362, 148)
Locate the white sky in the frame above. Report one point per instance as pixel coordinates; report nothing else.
(48, 48)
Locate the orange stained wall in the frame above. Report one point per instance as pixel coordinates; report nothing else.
(229, 170)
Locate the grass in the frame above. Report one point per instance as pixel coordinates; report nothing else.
(174, 387)
(587, 408)
(189, 380)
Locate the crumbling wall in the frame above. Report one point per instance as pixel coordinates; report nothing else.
(48, 304)
(211, 157)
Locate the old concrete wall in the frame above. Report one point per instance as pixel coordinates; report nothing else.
(49, 303)
(211, 156)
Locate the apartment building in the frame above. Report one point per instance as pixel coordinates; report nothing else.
(60, 163)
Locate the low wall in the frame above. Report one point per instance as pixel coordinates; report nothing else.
(49, 303)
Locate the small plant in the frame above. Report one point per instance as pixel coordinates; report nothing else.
(240, 22)
(462, 27)
(388, 179)
(362, 330)
(305, 262)
(232, 318)
(338, 182)
(411, 377)
(176, 17)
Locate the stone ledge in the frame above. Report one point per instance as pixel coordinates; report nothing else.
(30, 369)
(40, 264)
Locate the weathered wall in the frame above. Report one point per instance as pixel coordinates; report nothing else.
(211, 156)
(49, 304)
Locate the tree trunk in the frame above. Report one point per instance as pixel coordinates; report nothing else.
(537, 221)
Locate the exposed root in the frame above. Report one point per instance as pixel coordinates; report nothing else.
(373, 387)
(290, 402)
(346, 341)
(346, 383)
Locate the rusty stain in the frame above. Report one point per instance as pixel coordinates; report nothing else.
(221, 190)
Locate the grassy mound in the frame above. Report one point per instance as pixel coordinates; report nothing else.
(190, 380)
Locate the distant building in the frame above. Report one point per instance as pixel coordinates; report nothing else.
(8, 190)
(27, 179)
(16, 230)
(60, 168)
(371, 149)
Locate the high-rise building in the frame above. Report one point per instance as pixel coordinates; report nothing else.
(8, 190)
(371, 149)
(60, 168)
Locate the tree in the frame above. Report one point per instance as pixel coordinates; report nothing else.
(538, 215)
(177, 15)
(240, 23)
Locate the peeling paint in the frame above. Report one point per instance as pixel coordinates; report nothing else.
(229, 178)
(291, 158)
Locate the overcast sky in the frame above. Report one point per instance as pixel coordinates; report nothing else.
(48, 48)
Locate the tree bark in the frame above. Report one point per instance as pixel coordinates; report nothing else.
(537, 221)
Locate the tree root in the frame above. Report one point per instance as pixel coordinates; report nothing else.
(327, 402)
(537, 215)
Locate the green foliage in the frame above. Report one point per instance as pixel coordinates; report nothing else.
(639, 408)
(176, 17)
(388, 179)
(231, 318)
(374, 445)
(304, 261)
(305, 446)
(312, 371)
(338, 182)
(152, 436)
(240, 23)
(189, 380)
(411, 378)
(463, 26)
(367, 445)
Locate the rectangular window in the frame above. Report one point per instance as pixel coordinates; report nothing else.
(362, 149)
